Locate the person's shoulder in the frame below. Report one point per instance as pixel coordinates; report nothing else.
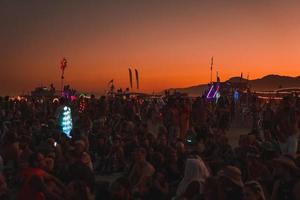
(30, 171)
(149, 166)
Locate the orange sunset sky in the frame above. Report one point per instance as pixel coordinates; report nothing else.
(170, 42)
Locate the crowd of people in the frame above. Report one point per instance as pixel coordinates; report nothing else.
(171, 147)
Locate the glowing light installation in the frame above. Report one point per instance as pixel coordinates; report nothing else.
(218, 95)
(213, 92)
(82, 106)
(236, 96)
(66, 122)
(216, 91)
(208, 96)
(55, 100)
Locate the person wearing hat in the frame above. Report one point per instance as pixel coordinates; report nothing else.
(230, 183)
(287, 186)
(253, 191)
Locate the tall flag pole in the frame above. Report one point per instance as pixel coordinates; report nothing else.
(247, 78)
(211, 68)
(130, 77)
(63, 66)
(111, 86)
(241, 77)
(137, 79)
(110, 82)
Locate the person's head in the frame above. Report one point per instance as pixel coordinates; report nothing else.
(24, 142)
(268, 106)
(159, 176)
(200, 146)
(267, 135)
(79, 146)
(86, 159)
(253, 191)
(244, 141)
(146, 142)
(117, 140)
(286, 102)
(222, 140)
(62, 101)
(120, 189)
(252, 155)
(231, 176)
(157, 160)
(162, 130)
(285, 166)
(77, 190)
(3, 184)
(173, 155)
(140, 154)
(150, 137)
(101, 140)
(162, 140)
(180, 147)
(49, 164)
(37, 160)
(10, 137)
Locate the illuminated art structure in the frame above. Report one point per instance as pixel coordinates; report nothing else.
(82, 105)
(213, 91)
(66, 121)
(236, 96)
(218, 95)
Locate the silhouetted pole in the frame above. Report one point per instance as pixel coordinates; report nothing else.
(62, 82)
(137, 79)
(130, 77)
(211, 68)
(63, 65)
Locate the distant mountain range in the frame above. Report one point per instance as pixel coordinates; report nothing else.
(266, 83)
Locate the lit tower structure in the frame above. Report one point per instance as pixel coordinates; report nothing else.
(66, 121)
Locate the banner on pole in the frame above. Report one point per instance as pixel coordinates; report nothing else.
(63, 64)
(137, 79)
(130, 77)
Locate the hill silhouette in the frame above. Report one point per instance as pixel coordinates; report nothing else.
(266, 83)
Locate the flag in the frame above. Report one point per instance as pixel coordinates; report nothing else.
(137, 79)
(241, 79)
(63, 64)
(218, 78)
(211, 63)
(130, 77)
(110, 82)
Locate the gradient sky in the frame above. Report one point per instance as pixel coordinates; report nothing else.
(169, 41)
